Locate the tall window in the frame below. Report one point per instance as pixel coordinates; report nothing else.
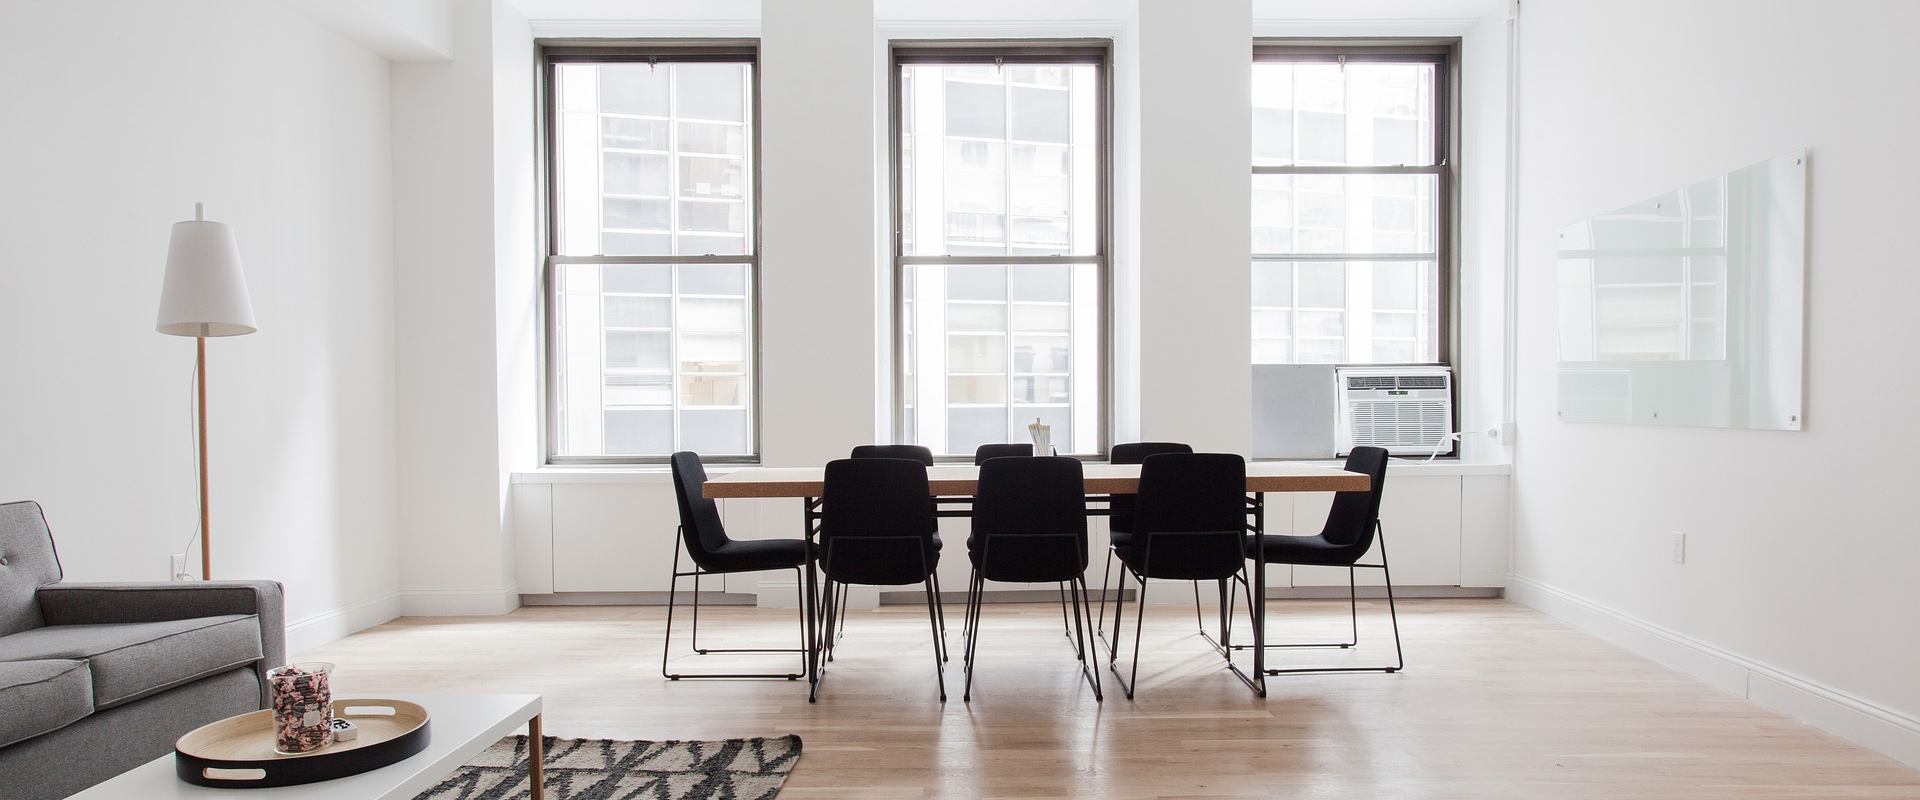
(654, 254)
(1351, 200)
(1000, 247)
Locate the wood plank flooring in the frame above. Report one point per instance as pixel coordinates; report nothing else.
(1497, 701)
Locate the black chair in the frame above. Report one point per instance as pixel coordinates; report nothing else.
(875, 530)
(705, 541)
(924, 455)
(1120, 514)
(912, 452)
(1030, 526)
(1189, 524)
(1010, 450)
(1352, 528)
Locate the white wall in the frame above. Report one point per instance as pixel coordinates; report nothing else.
(1195, 144)
(1798, 586)
(281, 128)
(464, 266)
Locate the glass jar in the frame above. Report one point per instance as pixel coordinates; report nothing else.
(302, 707)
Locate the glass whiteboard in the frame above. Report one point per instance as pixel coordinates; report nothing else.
(1688, 308)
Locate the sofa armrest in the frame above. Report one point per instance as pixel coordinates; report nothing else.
(96, 603)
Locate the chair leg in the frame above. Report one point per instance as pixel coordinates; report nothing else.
(1065, 626)
(973, 626)
(1106, 583)
(1139, 625)
(666, 646)
(823, 627)
(940, 613)
(1082, 606)
(933, 620)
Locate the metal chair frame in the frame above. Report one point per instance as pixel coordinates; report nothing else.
(673, 589)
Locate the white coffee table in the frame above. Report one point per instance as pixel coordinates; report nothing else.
(461, 725)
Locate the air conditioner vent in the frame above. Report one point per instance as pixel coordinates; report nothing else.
(1407, 410)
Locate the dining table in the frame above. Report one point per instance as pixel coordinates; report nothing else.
(952, 487)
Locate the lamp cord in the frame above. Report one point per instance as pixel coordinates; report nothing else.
(193, 437)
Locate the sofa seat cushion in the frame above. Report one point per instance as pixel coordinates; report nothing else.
(42, 696)
(131, 660)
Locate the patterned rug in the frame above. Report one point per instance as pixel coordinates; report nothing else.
(607, 769)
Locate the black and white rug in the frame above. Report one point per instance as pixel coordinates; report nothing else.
(608, 769)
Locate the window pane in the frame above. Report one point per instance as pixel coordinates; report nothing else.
(630, 139)
(659, 338)
(1351, 312)
(1345, 213)
(995, 164)
(994, 364)
(1362, 115)
(711, 91)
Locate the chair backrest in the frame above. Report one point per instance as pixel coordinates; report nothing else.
(986, 451)
(1030, 520)
(876, 522)
(912, 452)
(1120, 508)
(1354, 514)
(1190, 521)
(700, 527)
(27, 562)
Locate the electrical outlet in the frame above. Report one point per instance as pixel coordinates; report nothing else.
(1506, 433)
(1679, 548)
(178, 565)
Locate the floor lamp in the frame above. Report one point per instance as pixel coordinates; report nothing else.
(205, 294)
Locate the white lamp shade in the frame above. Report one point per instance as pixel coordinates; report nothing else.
(205, 293)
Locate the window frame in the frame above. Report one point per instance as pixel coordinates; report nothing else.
(1097, 52)
(1443, 55)
(550, 54)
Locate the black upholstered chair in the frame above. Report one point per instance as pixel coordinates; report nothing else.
(705, 541)
(1352, 529)
(1120, 511)
(924, 455)
(912, 452)
(1009, 450)
(1190, 524)
(876, 530)
(1030, 526)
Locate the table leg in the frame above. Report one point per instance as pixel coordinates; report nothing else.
(536, 755)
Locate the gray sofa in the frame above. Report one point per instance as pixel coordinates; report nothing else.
(98, 678)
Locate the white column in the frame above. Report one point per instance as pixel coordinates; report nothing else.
(821, 274)
(1195, 144)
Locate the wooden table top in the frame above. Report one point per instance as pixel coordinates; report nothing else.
(964, 479)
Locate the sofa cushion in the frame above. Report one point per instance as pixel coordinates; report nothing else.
(42, 696)
(131, 660)
(27, 562)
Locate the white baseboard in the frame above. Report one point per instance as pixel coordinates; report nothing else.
(314, 631)
(1886, 731)
(459, 602)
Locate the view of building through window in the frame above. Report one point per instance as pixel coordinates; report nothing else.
(1346, 206)
(1001, 260)
(655, 264)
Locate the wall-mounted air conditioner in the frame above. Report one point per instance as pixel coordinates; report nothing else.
(1407, 410)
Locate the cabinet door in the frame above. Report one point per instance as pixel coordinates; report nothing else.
(1421, 518)
(615, 537)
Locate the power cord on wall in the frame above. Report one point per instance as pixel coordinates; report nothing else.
(178, 567)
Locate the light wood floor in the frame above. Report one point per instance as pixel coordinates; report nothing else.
(1497, 701)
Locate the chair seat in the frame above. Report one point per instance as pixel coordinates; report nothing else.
(42, 696)
(1120, 539)
(131, 660)
(749, 555)
(1307, 550)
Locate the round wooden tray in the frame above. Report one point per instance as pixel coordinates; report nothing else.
(237, 752)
